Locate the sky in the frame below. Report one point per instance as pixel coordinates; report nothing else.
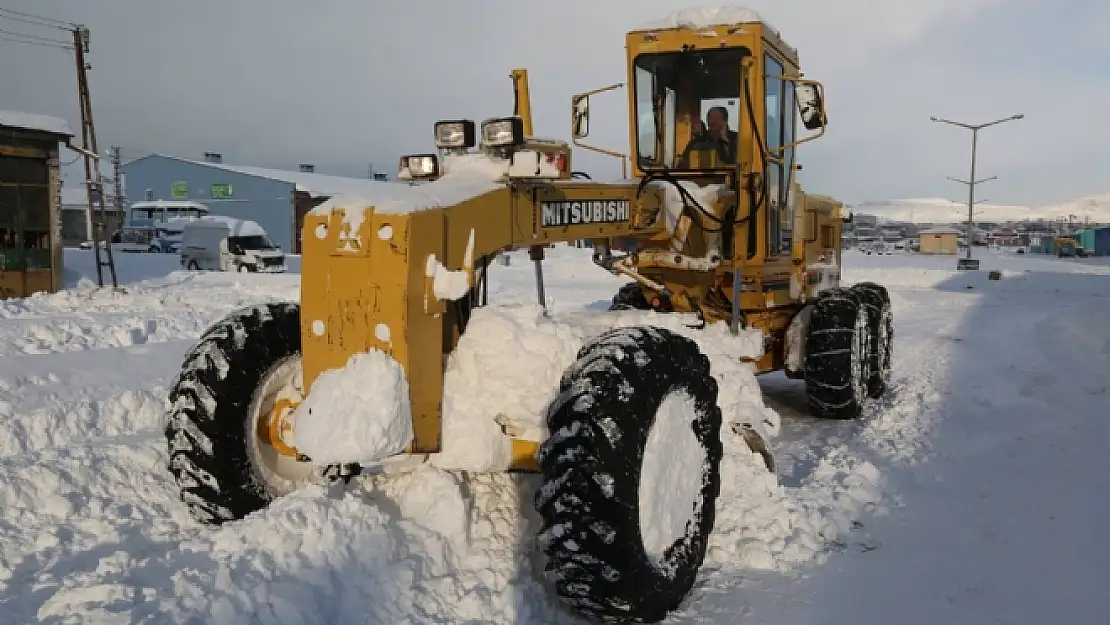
(344, 84)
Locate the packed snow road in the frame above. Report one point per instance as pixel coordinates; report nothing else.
(981, 466)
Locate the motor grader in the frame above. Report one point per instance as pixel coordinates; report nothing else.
(717, 230)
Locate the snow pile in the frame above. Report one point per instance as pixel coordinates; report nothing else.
(508, 363)
(359, 413)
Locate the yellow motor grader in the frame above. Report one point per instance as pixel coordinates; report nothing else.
(711, 225)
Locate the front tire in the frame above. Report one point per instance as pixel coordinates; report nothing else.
(630, 475)
(838, 355)
(233, 375)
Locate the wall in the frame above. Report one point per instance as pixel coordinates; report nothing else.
(268, 202)
(30, 220)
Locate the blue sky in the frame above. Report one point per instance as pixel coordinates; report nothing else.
(347, 83)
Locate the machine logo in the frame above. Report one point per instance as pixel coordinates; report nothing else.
(554, 214)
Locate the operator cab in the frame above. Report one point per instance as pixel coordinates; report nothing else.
(712, 90)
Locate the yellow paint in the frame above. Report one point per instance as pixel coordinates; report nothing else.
(522, 456)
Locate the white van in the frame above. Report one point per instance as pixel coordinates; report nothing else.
(228, 244)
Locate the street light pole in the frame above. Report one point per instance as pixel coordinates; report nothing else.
(971, 182)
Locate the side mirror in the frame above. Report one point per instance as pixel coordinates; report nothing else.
(580, 116)
(811, 105)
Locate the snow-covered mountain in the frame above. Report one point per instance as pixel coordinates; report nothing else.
(1095, 208)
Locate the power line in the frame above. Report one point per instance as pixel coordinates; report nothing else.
(38, 20)
(36, 39)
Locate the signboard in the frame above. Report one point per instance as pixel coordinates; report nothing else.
(967, 264)
(221, 191)
(179, 190)
(555, 214)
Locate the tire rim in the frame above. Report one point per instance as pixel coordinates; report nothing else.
(671, 474)
(281, 473)
(861, 335)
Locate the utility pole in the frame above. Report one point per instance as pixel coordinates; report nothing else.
(93, 181)
(971, 181)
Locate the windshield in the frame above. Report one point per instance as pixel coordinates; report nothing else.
(688, 102)
(253, 242)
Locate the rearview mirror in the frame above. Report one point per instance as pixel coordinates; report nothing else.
(811, 106)
(580, 116)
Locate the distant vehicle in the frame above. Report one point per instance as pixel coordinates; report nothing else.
(228, 244)
(154, 213)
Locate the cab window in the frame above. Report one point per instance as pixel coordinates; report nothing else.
(780, 116)
(687, 101)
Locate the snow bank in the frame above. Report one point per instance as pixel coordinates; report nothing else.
(360, 413)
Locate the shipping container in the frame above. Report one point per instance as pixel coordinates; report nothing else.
(1086, 240)
(1102, 242)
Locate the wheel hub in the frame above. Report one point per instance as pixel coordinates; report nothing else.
(271, 427)
(276, 426)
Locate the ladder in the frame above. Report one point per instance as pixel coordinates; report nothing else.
(94, 184)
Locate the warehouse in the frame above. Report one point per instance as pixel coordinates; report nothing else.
(30, 220)
(939, 240)
(275, 199)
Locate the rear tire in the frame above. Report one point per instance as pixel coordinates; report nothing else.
(630, 297)
(193, 266)
(214, 452)
(609, 557)
(838, 355)
(881, 320)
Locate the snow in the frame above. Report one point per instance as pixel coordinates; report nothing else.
(358, 413)
(237, 227)
(670, 477)
(975, 492)
(448, 284)
(530, 348)
(34, 121)
(705, 17)
(465, 176)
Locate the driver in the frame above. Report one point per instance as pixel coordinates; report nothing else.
(716, 136)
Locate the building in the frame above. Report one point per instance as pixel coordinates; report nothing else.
(75, 222)
(276, 199)
(31, 257)
(939, 240)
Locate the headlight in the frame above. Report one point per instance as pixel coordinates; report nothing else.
(455, 134)
(503, 133)
(419, 166)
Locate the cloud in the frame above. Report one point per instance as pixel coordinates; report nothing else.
(347, 83)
